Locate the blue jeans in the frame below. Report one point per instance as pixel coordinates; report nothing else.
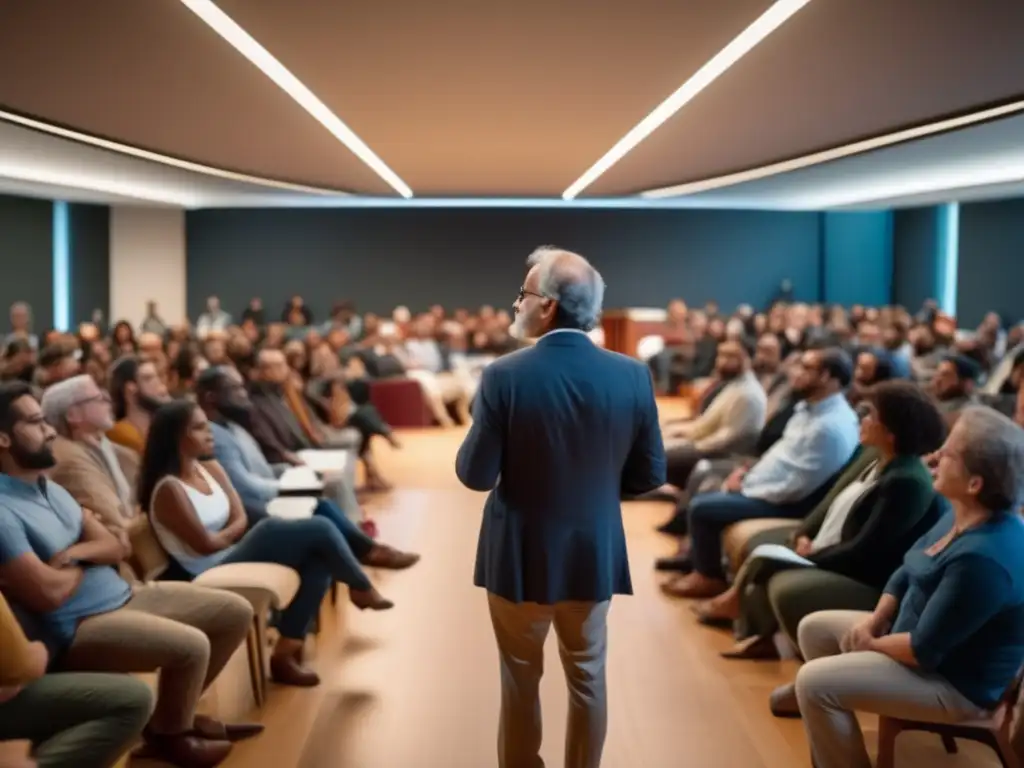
(712, 513)
(325, 548)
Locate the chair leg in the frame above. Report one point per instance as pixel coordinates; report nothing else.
(261, 644)
(255, 661)
(950, 744)
(1004, 748)
(888, 730)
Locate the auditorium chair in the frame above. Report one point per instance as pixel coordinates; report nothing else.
(401, 402)
(266, 586)
(995, 731)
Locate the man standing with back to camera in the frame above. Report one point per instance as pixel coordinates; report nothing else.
(561, 431)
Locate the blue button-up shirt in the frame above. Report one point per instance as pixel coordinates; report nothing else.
(44, 519)
(818, 441)
(246, 467)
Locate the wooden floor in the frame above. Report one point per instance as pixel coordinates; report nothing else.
(417, 687)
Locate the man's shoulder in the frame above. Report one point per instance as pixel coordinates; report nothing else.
(66, 451)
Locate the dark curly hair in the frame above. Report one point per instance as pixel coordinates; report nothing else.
(910, 415)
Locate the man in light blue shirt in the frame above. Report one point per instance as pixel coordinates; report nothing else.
(788, 480)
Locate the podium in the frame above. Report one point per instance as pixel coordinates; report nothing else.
(623, 328)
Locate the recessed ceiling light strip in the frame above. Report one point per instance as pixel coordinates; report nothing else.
(767, 23)
(246, 45)
(156, 157)
(816, 158)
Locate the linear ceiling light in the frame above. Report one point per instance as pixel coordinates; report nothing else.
(88, 182)
(767, 23)
(156, 157)
(837, 153)
(244, 43)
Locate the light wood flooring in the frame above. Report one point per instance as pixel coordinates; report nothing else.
(417, 687)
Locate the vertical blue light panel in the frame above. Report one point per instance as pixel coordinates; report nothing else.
(61, 267)
(948, 257)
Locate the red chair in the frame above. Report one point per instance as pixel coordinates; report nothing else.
(401, 403)
(995, 731)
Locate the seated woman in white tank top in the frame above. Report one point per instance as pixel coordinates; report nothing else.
(200, 521)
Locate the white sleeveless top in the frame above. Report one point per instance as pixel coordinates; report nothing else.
(213, 511)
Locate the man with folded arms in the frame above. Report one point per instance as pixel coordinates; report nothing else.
(98, 473)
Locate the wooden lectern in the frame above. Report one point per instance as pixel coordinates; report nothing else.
(623, 328)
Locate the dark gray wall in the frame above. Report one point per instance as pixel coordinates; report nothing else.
(26, 258)
(89, 239)
(991, 269)
(468, 257)
(915, 245)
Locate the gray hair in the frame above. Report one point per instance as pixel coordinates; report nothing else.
(569, 279)
(994, 451)
(61, 398)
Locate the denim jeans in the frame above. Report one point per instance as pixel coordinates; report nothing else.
(323, 549)
(712, 513)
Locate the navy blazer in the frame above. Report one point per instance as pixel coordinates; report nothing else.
(561, 431)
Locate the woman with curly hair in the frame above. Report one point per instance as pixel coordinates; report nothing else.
(867, 525)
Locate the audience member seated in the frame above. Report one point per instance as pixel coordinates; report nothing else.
(98, 473)
(19, 363)
(947, 636)
(200, 521)
(213, 319)
(280, 433)
(56, 563)
(136, 390)
(953, 385)
(424, 361)
(72, 720)
(21, 325)
(57, 362)
(872, 366)
(788, 481)
(729, 425)
(224, 400)
(868, 525)
(771, 374)
(336, 406)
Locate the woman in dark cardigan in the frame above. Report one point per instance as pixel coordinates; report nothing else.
(868, 526)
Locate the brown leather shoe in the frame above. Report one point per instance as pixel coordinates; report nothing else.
(288, 670)
(783, 701)
(209, 728)
(383, 556)
(369, 598)
(753, 649)
(185, 750)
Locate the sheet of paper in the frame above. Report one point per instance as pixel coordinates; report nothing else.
(300, 479)
(332, 463)
(292, 507)
(779, 552)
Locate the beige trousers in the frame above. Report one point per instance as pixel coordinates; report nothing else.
(521, 629)
(832, 686)
(187, 632)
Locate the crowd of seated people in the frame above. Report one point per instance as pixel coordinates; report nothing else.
(872, 492)
(813, 427)
(93, 448)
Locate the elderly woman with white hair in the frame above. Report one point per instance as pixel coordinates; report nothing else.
(947, 637)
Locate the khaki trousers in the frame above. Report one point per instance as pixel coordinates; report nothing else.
(832, 686)
(187, 632)
(521, 629)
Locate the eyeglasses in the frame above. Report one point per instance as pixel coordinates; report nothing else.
(523, 293)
